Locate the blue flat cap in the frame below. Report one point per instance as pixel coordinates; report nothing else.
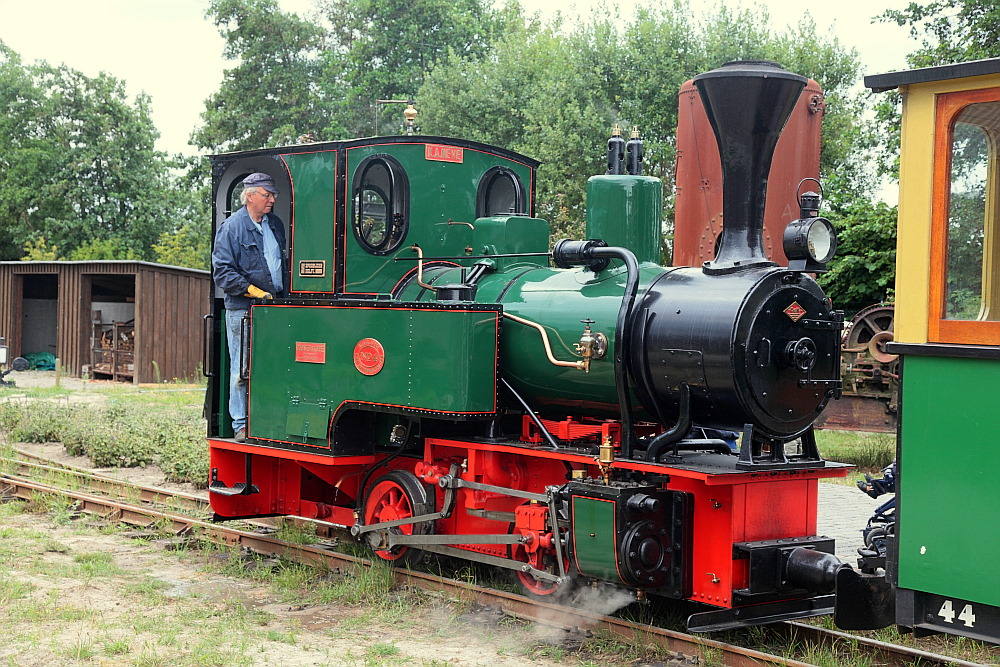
(260, 180)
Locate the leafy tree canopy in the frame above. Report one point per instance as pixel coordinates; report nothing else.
(863, 272)
(270, 97)
(381, 50)
(950, 31)
(554, 93)
(77, 164)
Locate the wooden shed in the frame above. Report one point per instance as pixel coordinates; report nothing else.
(119, 319)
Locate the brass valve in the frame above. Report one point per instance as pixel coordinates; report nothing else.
(592, 345)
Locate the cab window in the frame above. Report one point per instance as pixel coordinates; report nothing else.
(381, 204)
(500, 193)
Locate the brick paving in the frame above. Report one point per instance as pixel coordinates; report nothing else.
(843, 512)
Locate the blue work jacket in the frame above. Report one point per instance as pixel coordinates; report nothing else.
(238, 258)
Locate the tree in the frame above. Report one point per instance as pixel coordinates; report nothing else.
(188, 242)
(529, 94)
(271, 97)
(188, 246)
(864, 269)
(381, 49)
(554, 93)
(953, 30)
(77, 163)
(950, 31)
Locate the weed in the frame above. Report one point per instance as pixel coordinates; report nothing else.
(291, 578)
(556, 653)
(13, 589)
(62, 509)
(298, 533)
(130, 430)
(39, 422)
(210, 654)
(359, 585)
(83, 650)
(376, 654)
(96, 564)
(117, 646)
(48, 610)
(12, 508)
(279, 636)
(604, 643)
(149, 659)
(712, 657)
(167, 636)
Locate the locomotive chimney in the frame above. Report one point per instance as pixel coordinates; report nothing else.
(747, 103)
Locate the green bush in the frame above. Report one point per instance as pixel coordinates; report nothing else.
(41, 422)
(120, 447)
(10, 415)
(183, 456)
(126, 432)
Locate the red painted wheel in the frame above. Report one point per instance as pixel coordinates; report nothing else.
(542, 589)
(398, 495)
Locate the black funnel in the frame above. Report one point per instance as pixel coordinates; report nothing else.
(748, 103)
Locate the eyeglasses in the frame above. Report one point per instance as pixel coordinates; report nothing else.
(267, 195)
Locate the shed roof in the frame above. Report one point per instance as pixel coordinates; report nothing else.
(118, 264)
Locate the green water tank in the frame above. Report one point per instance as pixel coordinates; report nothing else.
(626, 211)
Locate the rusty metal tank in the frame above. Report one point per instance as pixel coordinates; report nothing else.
(698, 208)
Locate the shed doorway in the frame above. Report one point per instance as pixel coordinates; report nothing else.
(112, 314)
(39, 314)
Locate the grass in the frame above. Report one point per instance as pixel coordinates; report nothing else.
(12, 589)
(359, 585)
(870, 452)
(297, 533)
(148, 591)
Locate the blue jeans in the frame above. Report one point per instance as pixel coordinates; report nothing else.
(237, 386)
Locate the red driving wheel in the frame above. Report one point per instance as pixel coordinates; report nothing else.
(539, 587)
(395, 496)
(544, 560)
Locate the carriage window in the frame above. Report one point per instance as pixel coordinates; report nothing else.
(500, 193)
(970, 286)
(381, 204)
(964, 304)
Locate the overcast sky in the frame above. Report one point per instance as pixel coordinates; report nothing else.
(167, 49)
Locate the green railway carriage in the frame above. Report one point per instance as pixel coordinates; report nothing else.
(947, 336)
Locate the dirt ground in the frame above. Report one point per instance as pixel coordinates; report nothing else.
(76, 592)
(73, 594)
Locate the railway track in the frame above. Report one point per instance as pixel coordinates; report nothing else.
(187, 514)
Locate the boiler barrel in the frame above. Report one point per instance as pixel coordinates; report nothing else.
(758, 347)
